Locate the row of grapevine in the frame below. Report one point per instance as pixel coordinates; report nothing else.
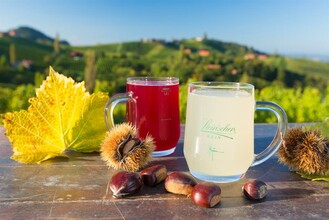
(301, 105)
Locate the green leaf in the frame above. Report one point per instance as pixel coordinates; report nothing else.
(314, 177)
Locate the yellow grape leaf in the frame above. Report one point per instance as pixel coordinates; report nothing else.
(62, 116)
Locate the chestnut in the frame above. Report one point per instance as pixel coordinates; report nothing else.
(255, 189)
(125, 183)
(179, 183)
(206, 194)
(153, 175)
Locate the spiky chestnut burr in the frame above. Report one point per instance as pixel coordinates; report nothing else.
(122, 149)
(306, 151)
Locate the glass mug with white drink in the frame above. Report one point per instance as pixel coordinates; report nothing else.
(219, 130)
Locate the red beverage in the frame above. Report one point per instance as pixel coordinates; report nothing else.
(156, 108)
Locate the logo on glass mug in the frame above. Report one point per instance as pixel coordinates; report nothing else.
(217, 131)
(212, 151)
(165, 91)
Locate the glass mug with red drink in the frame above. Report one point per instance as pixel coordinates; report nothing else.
(152, 106)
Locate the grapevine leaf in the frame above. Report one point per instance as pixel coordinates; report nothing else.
(314, 177)
(90, 130)
(62, 116)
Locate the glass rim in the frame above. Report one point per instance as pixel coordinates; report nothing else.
(153, 79)
(221, 85)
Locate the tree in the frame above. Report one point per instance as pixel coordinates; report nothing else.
(205, 36)
(90, 70)
(245, 78)
(12, 54)
(56, 44)
(3, 61)
(38, 79)
(181, 52)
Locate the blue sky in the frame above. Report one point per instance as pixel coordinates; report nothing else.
(282, 26)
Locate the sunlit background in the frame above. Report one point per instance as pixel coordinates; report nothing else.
(280, 46)
(294, 27)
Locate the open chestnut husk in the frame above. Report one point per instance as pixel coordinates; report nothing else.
(255, 189)
(179, 183)
(122, 149)
(153, 175)
(125, 183)
(206, 194)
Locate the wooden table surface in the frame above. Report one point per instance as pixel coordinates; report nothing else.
(77, 188)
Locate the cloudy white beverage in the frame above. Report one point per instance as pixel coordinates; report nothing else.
(219, 133)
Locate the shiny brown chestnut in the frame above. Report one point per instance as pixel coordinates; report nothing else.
(153, 175)
(255, 189)
(206, 194)
(125, 183)
(179, 183)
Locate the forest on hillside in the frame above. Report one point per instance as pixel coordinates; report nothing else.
(300, 86)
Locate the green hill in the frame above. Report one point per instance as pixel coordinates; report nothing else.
(31, 34)
(302, 66)
(294, 83)
(308, 67)
(162, 50)
(25, 49)
(180, 58)
(117, 48)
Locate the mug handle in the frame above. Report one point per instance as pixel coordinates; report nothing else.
(113, 101)
(280, 133)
